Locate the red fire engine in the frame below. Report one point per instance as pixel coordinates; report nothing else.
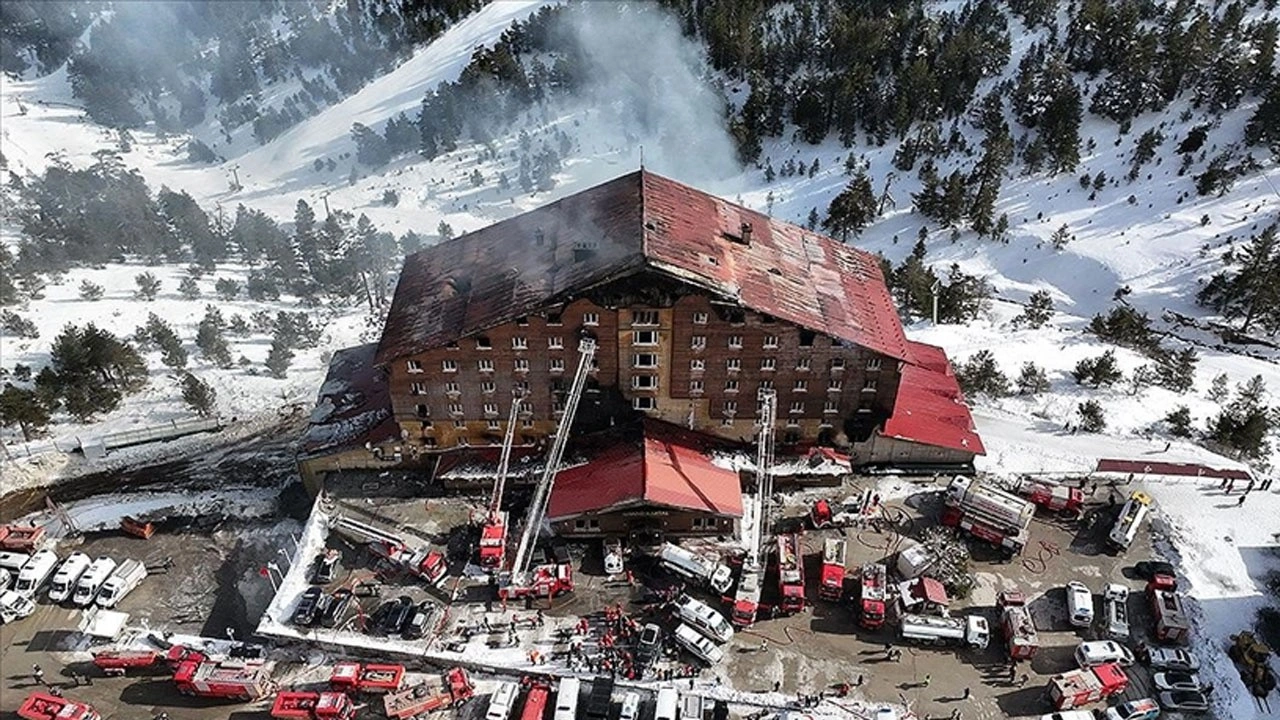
(118, 662)
(43, 706)
(988, 513)
(313, 706)
(419, 699)
(354, 677)
(21, 538)
(1090, 685)
(230, 679)
(1052, 496)
(833, 570)
(1019, 629)
(1172, 625)
(871, 608)
(790, 574)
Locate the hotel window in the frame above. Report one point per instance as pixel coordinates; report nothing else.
(731, 386)
(556, 365)
(429, 441)
(449, 365)
(644, 382)
(451, 388)
(801, 386)
(730, 407)
(491, 408)
(643, 402)
(554, 319)
(453, 345)
(737, 317)
(797, 407)
(806, 338)
(697, 365)
(463, 441)
(413, 366)
(487, 387)
(727, 422)
(522, 365)
(494, 425)
(455, 408)
(735, 342)
(644, 360)
(803, 363)
(521, 388)
(555, 343)
(836, 385)
(698, 523)
(733, 365)
(873, 363)
(699, 318)
(483, 343)
(522, 322)
(590, 318)
(485, 365)
(644, 337)
(830, 408)
(459, 424)
(644, 317)
(519, 342)
(695, 387)
(527, 422)
(768, 364)
(837, 363)
(770, 342)
(869, 385)
(699, 342)
(417, 388)
(423, 410)
(766, 384)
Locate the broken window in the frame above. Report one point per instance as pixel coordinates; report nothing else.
(697, 365)
(644, 360)
(806, 338)
(423, 410)
(730, 407)
(644, 337)
(483, 343)
(695, 387)
(644, 382)
(869, 385)
(699, 342)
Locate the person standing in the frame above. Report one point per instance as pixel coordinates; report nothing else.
(1241, 502)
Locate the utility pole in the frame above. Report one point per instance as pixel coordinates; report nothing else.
(325, 197)
(885, 197)
(235, 174)
(935, 289)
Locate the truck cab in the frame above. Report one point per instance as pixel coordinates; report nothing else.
(35, 573)
(126, 577)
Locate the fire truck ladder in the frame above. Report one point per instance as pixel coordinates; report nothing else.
(542, 493)
(764, 471)
(504, 462)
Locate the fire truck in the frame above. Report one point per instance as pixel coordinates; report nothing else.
(493, 534)
(1089, 685)
(833, 569)
(229, 679)
(354, 677)
(426, 564)
(988, 513)
(22, 538)
(1172, 625)
(118, 662)
(43, 706)
(419, 699)
(871, 596)
(826, 514)
(523, 580)
(790, 574)
(1052, 496)
(1019, 629)
(313, 706)
(746, 603)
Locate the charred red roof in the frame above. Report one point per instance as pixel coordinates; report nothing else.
(353, 407)
(930, 407)
(639, 221)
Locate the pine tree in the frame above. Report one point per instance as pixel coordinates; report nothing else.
(278, 360)
(198, 395)
(371, 148)
(853, 209)
(210, 338)
(1098, 371)
(1092, 417)
(227, 289)
(1249, 289)
(1220, 390)
(1177, 371)
(25, 409)
(188, 288)
(18, 326)
(91, 292)
(1032, 380)
(445, 231)
(1179, 421)
(980, 374)
(1038, 311)
(148, 286)
(1264, 126)
(1243, 425)
(1126, 327)
(161, 335)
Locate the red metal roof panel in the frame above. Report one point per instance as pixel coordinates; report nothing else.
(930, 408)
(1143, 467)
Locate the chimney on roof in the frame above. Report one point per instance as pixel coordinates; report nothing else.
(746, 233)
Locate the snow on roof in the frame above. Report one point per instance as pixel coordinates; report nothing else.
(930, 409)
(353, 406)
(814, 461)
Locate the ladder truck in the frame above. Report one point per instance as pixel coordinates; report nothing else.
(790, 574)
(493, 536)
(746, 603)
(521, 581)
(873, 581)
(833, 570)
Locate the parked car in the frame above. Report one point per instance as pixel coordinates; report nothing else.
(1069, 715)
(1142, 709)
(1171, 659)
(1184, 701)
(502, 701)
(337, 609)
(1175, 680)
(398, 616)
(699, 645)
(416, 626)
(327, 567)
(630, 709)
(308, 607)
(1101, 652)
(379, 616)
(1148, 569)
(1079, 604)
(649, 648)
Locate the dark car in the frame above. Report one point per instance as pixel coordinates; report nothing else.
(416, 626)
(379, 616)
(397, 616)
(338, 604)
(1148, 569)
(326, 567)
(649, 648)
(1184, 700)
(308, 607)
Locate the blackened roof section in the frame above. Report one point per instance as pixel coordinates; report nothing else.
(353, 407)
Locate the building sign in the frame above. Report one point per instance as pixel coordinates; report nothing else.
(646, 513)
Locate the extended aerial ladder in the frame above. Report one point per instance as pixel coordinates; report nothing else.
(551, 579)
(493, 536)
(747, 601)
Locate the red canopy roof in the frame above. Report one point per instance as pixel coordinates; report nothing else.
(667, 466)
(930, 408)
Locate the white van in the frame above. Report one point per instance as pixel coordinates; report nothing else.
(699, 645)
(502, 701)
(702, 618)
(35, 573)
(567, 699)
(1079, 604)
(5, 578)
(1115, 611)
(691, 707)
(68, 574)
(668, 702)
(1101, 652)
(126, 578)
(13, 561)
(699, 569)
(1130, 519)
(14, 606)
(630, 709)
(91, 581)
